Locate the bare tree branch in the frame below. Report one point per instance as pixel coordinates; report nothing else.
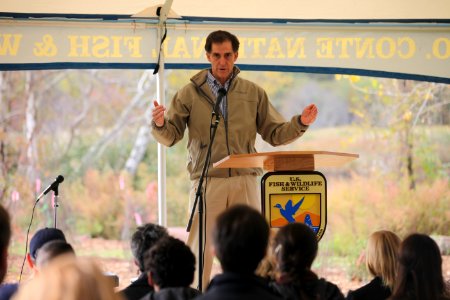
(97, 149)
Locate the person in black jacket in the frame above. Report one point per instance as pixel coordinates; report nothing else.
(142, 240)
(381, 261)
(295, 248)
(240, 239)
(170, 267)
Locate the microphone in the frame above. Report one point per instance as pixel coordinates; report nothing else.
(222, 93)
(52, 187)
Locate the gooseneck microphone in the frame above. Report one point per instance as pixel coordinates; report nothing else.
(52, 187)
(221, 93)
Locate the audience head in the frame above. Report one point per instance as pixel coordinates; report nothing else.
(39, 239)
(170, 263)
(419, 270)
(381, 255)
(240, 239)
(69, 278)
(220, 36)
(43, 236)
(295, 248)
(51, 250)
(5, 235)
(143, 239)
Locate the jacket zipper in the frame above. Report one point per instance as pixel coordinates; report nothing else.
(225, 119)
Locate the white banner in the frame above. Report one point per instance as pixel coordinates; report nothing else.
(422, 50)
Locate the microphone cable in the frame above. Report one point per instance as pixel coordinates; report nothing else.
(26, 243)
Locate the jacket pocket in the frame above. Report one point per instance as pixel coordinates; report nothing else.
(197, 155)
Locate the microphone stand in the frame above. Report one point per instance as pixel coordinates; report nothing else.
(55, 204)
(199, 199)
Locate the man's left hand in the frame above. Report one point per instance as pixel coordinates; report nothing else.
(309, 114)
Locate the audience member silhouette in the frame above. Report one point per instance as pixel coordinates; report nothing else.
(5, 236)
(39, 239)
(69, 278)
(419, 270)
(142, 240)
(240, 238)
(381, 261)
(170, 266)
(6, 290)
(295, 249)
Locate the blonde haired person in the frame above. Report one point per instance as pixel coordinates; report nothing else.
(69, 278)
(381, 261)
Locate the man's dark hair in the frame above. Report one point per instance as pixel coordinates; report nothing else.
(171, 263)
(220, 36)
(240, 239)
(143, 239)
(5, 228)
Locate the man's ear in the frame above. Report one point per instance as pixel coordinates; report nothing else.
(136, 263)
(152, 283)
(30, 261)
(208, 56)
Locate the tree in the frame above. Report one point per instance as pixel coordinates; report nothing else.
(399, 106)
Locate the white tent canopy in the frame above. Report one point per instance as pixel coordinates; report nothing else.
(249, 9)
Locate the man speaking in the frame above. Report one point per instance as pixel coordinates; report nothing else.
(245, 110)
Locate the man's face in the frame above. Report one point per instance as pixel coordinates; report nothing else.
(222, 60)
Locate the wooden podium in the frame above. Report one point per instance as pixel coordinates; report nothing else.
(286, 160)
(292, 190)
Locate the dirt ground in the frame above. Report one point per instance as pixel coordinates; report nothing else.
(126, 270)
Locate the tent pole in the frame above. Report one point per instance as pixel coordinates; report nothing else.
(162, 209)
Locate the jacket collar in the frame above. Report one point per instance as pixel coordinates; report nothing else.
(230, 278)
(199, 79)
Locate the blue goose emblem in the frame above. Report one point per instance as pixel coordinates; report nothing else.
(289, 210)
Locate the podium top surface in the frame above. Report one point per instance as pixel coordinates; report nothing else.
(286, 160)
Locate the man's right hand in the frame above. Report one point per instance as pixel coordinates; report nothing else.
(158, 114)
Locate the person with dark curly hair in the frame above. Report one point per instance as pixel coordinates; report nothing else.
(170, 267)
(295, 248)
(419, 274)
(145, 237)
